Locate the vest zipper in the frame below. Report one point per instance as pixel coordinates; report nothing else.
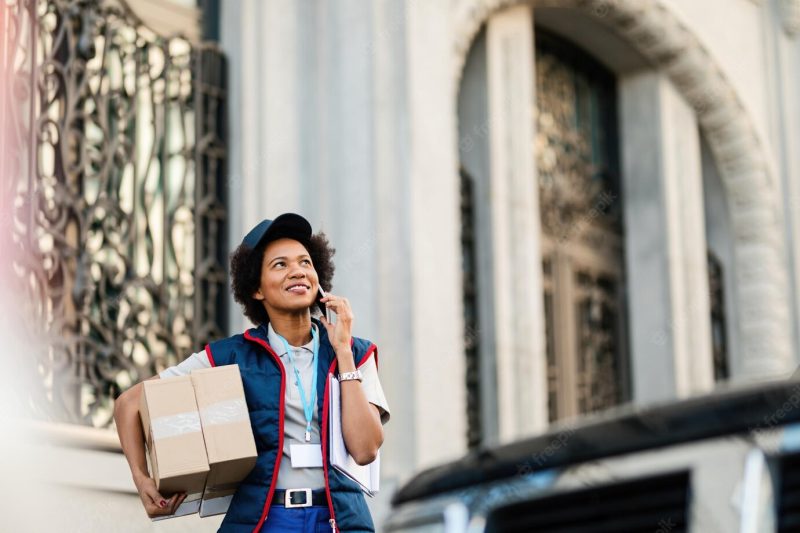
(332, 522)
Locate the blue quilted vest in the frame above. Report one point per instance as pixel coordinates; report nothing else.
(264, 382)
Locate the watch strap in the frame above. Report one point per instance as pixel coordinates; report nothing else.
(348, 376)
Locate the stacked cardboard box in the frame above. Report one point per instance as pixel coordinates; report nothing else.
(228, 435)
(199, 438)
(176, 450)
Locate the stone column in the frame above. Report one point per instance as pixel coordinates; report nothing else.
(392, 249)
(259, 40)
(340, 150)
(785, 112)
(517, 284)
(436, 347)
(665, 244)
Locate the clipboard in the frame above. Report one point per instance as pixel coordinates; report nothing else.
(367, 476)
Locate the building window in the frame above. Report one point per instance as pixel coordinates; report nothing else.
(582, 243)
(116, 163)
(470, 296)
(719, 346)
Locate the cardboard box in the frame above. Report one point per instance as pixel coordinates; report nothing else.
(175, 445)
(230, 445)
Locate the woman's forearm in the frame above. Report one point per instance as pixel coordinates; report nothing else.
(129, 429)
(361, 422)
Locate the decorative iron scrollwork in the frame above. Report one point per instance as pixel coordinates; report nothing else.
(475, 429)
(719, 333)
(115, 184)
(582, 266)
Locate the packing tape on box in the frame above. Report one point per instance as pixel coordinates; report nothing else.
(173, 425)
(225, 412)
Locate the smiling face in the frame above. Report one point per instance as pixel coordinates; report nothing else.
(289, 283)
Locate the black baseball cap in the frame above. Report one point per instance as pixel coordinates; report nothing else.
(289, 225)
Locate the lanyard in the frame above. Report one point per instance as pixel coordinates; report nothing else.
(308, 408)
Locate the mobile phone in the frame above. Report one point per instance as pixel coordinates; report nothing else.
(322, 307)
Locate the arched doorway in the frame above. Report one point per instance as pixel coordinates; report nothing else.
(653, 32)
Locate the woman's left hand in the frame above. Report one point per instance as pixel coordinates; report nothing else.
(361, 421)
(339, 334)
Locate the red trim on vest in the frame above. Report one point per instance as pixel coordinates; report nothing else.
(324, 439)
(277, 466)
(372, 348)
(210, 357)
(324, 432)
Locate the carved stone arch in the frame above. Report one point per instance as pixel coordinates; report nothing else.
(749, 179)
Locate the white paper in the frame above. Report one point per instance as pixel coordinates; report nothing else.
(306, 455)
(214, 506)
(367, 476)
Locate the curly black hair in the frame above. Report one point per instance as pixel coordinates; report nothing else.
(246, 273)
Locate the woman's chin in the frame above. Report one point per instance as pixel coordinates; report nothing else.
(295, 308)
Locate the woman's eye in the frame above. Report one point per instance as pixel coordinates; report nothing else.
(307, 261)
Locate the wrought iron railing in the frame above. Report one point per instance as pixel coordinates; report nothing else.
(475, 429)
(719, 333)
(113, 160)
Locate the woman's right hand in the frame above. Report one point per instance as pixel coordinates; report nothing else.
(155, 504)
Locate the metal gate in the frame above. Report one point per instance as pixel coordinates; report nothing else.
(112, 153)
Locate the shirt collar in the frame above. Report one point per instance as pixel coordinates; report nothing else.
(277, 344)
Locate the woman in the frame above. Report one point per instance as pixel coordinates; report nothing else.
(276, 274)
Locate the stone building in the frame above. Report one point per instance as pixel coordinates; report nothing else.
(541, 209)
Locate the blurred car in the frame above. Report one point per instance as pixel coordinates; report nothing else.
(727, 462)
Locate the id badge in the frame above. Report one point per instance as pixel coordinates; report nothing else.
(306, 455)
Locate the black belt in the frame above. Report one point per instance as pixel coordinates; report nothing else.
(299, 498)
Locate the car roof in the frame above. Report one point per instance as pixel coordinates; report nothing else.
(624, 430)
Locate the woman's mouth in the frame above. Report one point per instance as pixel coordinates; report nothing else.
(299, 289)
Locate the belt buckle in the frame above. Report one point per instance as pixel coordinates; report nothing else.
(288, 498)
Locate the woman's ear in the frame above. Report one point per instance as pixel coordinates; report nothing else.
(258, 295)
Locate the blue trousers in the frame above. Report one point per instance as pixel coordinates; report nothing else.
(312, 519)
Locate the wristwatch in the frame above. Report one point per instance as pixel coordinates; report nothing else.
(347, 376)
